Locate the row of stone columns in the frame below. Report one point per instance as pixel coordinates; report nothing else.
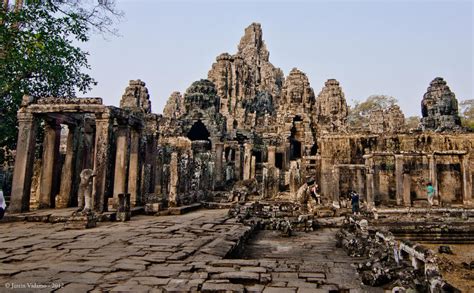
(28, 125)
(127, 164)
(403, 180)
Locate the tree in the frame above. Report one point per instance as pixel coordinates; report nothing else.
(359, 114)
(412, 122)
(38, 55)
(467, 113)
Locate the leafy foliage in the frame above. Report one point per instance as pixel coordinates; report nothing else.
(467, 113)
(359, 114)
(39, 55)
(412, 122)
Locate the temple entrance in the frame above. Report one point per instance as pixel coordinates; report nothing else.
(198, 131)
(295, 149)
(279, 161)
(200, 136)
(297, 135)
(449, 182)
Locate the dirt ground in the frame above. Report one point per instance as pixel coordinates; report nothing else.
(452, 268)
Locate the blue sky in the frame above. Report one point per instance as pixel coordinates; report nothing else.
(372, 47)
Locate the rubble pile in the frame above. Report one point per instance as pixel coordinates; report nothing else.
(386, 268)
(283, 216)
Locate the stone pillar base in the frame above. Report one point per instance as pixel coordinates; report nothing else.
(123, 210)
(81, 221)
(151, 208)
(112, 203)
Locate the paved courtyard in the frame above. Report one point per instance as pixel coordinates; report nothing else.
(170, 254)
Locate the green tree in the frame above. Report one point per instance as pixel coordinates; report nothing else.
(39, 55)
(467, 113)
(359, 114)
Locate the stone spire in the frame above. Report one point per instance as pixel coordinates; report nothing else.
(297, 94)
(245, 78)
(136, 97)
(439, 108)
(331, 108)
(174, 107)
(252, 47)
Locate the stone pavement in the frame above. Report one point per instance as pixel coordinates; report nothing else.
(156, 254)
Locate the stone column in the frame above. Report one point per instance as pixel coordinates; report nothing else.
(64, 198)
(238, 163)
(466, 180)
(133, 170)
(360, 181)
(326, 177)
(25, 156)
(294, 179)
(271, 156)
(399, 178)
(335, 179)
(434, 175)
(369, 189)
(247, 160)
(52, 133)
(121, 161)
(253, 168)
(264, 183)
(406, 190)
(158, 174)
(173, 189)
(218, 172)
(101, 157)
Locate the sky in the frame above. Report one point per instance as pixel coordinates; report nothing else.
(371, 47)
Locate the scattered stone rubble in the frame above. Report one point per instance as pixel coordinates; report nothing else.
(392, 263)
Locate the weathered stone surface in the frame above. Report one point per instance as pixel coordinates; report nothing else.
(439, 107)
(174, 107)
(331, 108)
(390, 120)
(247, 82)
(136, 97)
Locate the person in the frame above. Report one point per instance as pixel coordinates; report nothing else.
(315, 194)
(430, 192)
(355, 202)
(3, 205)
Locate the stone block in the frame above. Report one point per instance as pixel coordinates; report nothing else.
(222, 287)
(151, 208)
(81, 222)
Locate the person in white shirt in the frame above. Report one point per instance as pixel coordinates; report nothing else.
(3, 204)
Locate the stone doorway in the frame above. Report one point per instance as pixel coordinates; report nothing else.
(199, 132)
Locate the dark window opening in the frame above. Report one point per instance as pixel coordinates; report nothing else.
(314, 150)
(279, 160)
(258, 156)
(295, 149)
(229, 154)
(198, 132)
(297, 118)
(235, 124)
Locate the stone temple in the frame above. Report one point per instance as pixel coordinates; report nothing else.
(248, 138)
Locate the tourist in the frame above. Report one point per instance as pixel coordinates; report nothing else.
(355, 202)
(3, 205)
(315, 194)
(430, 192)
